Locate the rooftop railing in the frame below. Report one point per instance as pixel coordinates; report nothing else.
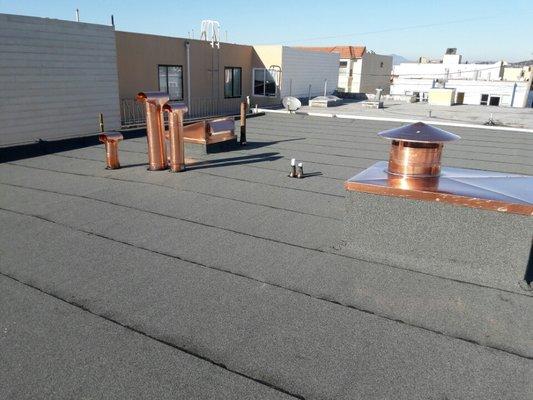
(132, 113)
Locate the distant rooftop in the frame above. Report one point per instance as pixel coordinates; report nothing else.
(344, 51)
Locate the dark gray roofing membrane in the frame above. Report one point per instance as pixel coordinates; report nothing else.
(229, 281)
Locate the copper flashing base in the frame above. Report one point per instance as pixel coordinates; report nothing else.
(462, 187)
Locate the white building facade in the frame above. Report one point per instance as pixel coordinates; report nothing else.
(476, 84)
(280, 71)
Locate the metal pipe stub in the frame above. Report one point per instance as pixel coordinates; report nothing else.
(155, 128)
(110, 140)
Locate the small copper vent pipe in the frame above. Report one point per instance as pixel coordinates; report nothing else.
(175, 112)
(111, 139)
(415, 155)
(155, 128)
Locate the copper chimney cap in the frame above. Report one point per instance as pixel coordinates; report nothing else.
(416, 150)
(158, 98)
(172, 106)
(420, 133)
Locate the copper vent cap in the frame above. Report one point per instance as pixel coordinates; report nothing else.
(158, 98)
(416, 149)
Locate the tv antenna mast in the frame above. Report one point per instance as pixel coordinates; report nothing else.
(210, 30)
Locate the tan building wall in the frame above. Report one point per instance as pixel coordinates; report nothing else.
(138, 57)
(375, 73)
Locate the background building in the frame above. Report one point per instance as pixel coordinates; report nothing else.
(215, 79)
(360, 71)
(210, 79)
(481, 84)
(56, 78)
(281, 71)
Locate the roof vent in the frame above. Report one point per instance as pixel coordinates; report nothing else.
(416, 150)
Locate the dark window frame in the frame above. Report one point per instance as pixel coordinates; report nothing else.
(159, 80)
(240, 83)
(274, 81)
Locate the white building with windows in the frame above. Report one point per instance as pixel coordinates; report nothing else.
(481, 84)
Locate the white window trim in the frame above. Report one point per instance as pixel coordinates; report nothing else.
(275, 80)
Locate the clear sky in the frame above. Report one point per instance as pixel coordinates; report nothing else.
(481, 30)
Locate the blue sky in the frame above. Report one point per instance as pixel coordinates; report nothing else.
(481, 30)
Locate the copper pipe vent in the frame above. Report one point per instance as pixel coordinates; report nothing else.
(414, 172)
(416, 150)
(111, 139)
(175, 112)
(155, 128)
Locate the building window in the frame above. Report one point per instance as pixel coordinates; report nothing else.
(171, 81)
(232, 82)
(381, 64)
(265, 82)
(343, 64)
(484, 99)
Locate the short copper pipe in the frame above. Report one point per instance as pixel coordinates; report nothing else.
(244, 106)
(155, 128)
(415, 159)
(175, 112)
(111, 140)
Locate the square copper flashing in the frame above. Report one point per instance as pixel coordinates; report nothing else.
(463, 187)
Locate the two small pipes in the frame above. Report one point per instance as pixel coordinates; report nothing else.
(157, 103)
(297, 170)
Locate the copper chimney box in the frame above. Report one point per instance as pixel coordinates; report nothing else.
(155, 128)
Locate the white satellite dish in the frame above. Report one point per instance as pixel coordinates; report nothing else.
(291, 103)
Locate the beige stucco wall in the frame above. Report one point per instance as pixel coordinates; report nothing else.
(441, 97)
(373, 74)
(265, 57)
(517, 73)
(138, 56)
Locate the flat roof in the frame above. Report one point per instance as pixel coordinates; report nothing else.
(226, 281)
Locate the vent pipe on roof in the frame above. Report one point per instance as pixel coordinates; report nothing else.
(77, 15)
(155, 128)
(175, 111)
(415, 155)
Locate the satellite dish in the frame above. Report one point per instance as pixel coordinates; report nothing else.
(291, 103)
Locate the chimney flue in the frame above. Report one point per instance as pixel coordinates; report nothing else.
(416, 150)
(155, 128)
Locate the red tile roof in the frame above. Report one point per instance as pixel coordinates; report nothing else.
(344, 51)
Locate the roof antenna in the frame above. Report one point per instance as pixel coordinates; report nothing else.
(210, 30)
(77, 15)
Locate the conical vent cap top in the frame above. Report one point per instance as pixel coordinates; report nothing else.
(419, 132)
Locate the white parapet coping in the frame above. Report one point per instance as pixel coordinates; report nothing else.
(429, 122)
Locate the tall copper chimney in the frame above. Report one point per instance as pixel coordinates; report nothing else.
(155, 128)
(175, 112)
(415, 155)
